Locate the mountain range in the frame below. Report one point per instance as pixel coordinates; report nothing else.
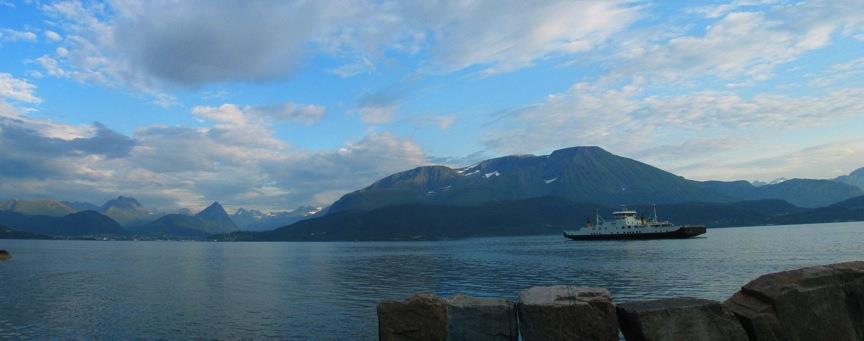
(86, 223)
(519, 194)
(212, 220)
(579, 174)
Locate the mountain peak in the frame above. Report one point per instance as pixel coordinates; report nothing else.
(580, 150)
(216, 214)
(126, 203)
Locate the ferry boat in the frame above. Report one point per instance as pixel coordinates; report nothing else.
(626, 226)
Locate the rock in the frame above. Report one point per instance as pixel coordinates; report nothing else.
(4, 255)
(815, 303)
(427, 317)
(567, 313)
(420, 317)
(470, 318)
(679, 319)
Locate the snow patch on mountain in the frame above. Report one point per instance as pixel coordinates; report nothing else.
(463, 170)
(471, 173)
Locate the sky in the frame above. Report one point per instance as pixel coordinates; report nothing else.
(276, 104)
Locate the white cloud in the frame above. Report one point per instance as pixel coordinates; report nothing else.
(509, 35)
(740, 47)
(51, 66)
(377, 113)
(625, 119)
(52, 36)
(15, 89)
(10, 35)
(826, 160)
(233, 114)
(226, 113)
(307, 114)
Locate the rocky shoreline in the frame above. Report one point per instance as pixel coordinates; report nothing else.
(814, 303)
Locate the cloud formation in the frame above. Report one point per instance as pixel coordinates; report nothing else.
(15, 89)
(146, 43)
(236, 161)
(10, 35)
(654, 127)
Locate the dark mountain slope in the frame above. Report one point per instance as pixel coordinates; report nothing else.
(219, 221)
(6, 233)
(543, 215)
(175, 225)
(84, 223)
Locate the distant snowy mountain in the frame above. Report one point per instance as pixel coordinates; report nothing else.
(758, 183)
(255, 220)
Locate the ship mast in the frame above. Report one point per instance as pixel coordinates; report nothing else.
(655, 212)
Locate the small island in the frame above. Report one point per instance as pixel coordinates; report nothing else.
(4, 255)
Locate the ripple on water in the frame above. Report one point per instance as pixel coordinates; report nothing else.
(179, 290)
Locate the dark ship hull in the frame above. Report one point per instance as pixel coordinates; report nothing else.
(686, 231)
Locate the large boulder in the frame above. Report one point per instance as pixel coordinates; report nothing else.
(679, 319)
(427, 317)
(420, 317)
(470, 318)
(815, 303)
(567, 313)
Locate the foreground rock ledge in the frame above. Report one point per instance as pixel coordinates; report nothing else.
(427, 317)
(679, 319)
(567, 313)
(815, 303)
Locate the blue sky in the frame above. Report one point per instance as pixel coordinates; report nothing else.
(273, 105)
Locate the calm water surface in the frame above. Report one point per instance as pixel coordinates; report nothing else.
(179, 290)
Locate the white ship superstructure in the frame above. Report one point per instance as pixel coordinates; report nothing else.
(627, 225)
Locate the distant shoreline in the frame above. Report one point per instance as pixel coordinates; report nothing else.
(133, 239)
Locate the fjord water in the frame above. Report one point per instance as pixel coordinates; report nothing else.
(318, 290)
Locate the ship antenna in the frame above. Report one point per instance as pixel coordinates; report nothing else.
(597, 217)
(655, 212)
